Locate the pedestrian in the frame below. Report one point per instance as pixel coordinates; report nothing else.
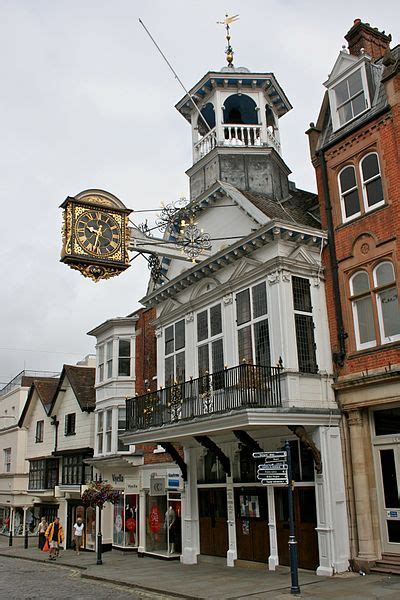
(43, 525)
(78, 534)
(55, 536)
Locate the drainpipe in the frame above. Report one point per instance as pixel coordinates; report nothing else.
(56, 423)
(338, 357)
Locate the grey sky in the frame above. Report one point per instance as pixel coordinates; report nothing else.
(86, 101)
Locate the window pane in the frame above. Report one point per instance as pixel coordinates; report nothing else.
(305, 344)
(121, 417)
(169, 339)
(384, 274)
(347, 179)
(180, 367)
(345, 113)
(216, 320)
(244, 344)
(358, 104)
(389, 479)
(124, 367)
(180, 335)
(365, 317)
(202, 326)
(243, 307)
(217, 353)
(301, 294)
(351, 203)
(204, 366)
(100, 422)
(342, 92)
(355, 83)
(374, 192)
(101, 354)
(169, 370)
(124, 348)
(261, 341)
(360, 283)
(370, 166)
(387, 421)
(108, 419)
(390, 312)
(259, 300)
(109, 350)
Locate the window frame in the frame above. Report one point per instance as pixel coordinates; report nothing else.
(332, 96)
(175, 352)
(377, 290)
(252, 322)
(368, 208)
(100, 432)
(345, 218)
(39, 433)
(108, 428)
(122, 357)
(210, 339)
(305, 313)
(68, 419)
(7, 459)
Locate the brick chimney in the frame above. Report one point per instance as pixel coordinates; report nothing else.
(362, 35)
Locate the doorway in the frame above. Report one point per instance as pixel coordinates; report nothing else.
(389, 500)
(213, 522)
(305, 521)
(252, 531)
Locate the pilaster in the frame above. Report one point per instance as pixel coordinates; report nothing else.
(142, 522)
(190, 510)
(273, 559)
(231, 555)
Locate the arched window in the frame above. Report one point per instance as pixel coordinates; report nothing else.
(371, 181)
(387, 302)
(363, 314)
(208, 114)
(349, 193)
(240, 110)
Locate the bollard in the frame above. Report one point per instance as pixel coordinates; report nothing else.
(10, 538)
(26, 538)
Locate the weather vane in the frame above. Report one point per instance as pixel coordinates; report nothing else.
(229, 50)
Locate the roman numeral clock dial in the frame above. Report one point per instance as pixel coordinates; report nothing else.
(95, 234)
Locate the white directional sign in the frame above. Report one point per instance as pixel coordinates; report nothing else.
(275, 481)
(277, 466)
(278, 455)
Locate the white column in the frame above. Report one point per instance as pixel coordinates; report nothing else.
(190, 512)
(12, 513)
(231, 357)
(231, 555)
(142, 521)
(25, 508)
(190, 354)
(332, 526)
(273, 559)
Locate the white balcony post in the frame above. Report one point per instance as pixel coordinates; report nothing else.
(231, 555)
(190, 512)
(273, 559)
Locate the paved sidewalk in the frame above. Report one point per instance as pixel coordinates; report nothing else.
(162, 579)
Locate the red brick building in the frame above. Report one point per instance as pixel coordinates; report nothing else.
(355, 152)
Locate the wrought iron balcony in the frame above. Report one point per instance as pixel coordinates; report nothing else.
(241, 387)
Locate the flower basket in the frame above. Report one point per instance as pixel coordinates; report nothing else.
(98, 493)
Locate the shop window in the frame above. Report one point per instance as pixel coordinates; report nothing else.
(108, 430)
(7, 460)
(175, 353)
(100, 420)
(387, 421)
(304, 324)
(126, 520)
(70, 421)
(349, 197)
(380, 299)
(39, 431)
(124, 358)
(371, 181)
(121, 428)
(252, 322)
(109, 355)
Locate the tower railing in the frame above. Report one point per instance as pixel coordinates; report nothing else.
(240, 387)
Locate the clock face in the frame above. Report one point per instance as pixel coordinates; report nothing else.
(98, 233)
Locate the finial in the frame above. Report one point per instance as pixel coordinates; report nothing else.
(229, 50)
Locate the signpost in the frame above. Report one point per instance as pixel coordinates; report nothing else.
(277, 470)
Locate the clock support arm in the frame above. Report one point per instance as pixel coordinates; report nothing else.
(140, 242)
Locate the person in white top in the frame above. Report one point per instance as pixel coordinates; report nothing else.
(78, 534)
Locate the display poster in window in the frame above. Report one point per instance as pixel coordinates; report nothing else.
(155, 519)
(246, 526)
(249, 507)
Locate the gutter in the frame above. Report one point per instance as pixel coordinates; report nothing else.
(338, 357)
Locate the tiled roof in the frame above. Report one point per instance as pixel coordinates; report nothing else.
(46, 390)
(301, 207)
(328, 136)
(82, 381)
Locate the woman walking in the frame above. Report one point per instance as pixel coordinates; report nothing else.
(78, 534)
(43, 525)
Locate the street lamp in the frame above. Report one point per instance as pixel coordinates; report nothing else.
(99, 560)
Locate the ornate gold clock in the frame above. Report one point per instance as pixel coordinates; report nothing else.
(95, 234)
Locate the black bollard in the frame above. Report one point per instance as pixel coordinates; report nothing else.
(10, 538)
(99, 541)
(26, 544)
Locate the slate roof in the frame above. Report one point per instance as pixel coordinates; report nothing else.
(379, 103)
(301, 207)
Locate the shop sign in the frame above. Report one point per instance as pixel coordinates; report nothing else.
(132, 486)
(157, 486)
(174, 480)
(117, 478)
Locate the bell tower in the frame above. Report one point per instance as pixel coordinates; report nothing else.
(234, 116)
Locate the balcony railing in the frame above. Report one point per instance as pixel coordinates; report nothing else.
(244, 386)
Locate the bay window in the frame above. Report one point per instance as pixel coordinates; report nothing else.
(124, 358)
(100, 420)
(175, 353)
(109, 358)
(304, 324)
(108, 430)
(252, 324)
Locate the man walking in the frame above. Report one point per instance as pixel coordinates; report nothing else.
(55, 536)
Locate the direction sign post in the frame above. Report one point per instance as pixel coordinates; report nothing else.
(294, 589)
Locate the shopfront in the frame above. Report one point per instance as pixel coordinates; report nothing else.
(126, 515)
(75, 510)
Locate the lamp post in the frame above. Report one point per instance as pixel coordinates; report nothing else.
(294, 589)
(99, 560)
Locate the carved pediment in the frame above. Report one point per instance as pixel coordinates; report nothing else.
(169, 306)
(343, 62)
(245, 265)
(204, 287)
(302, 255)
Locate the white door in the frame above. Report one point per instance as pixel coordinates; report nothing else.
(388, 459)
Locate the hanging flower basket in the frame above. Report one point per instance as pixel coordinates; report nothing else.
(98, 493)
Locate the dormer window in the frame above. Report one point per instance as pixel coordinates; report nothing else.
(349, 95)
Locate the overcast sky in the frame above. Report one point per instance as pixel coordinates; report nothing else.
(86, 101)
